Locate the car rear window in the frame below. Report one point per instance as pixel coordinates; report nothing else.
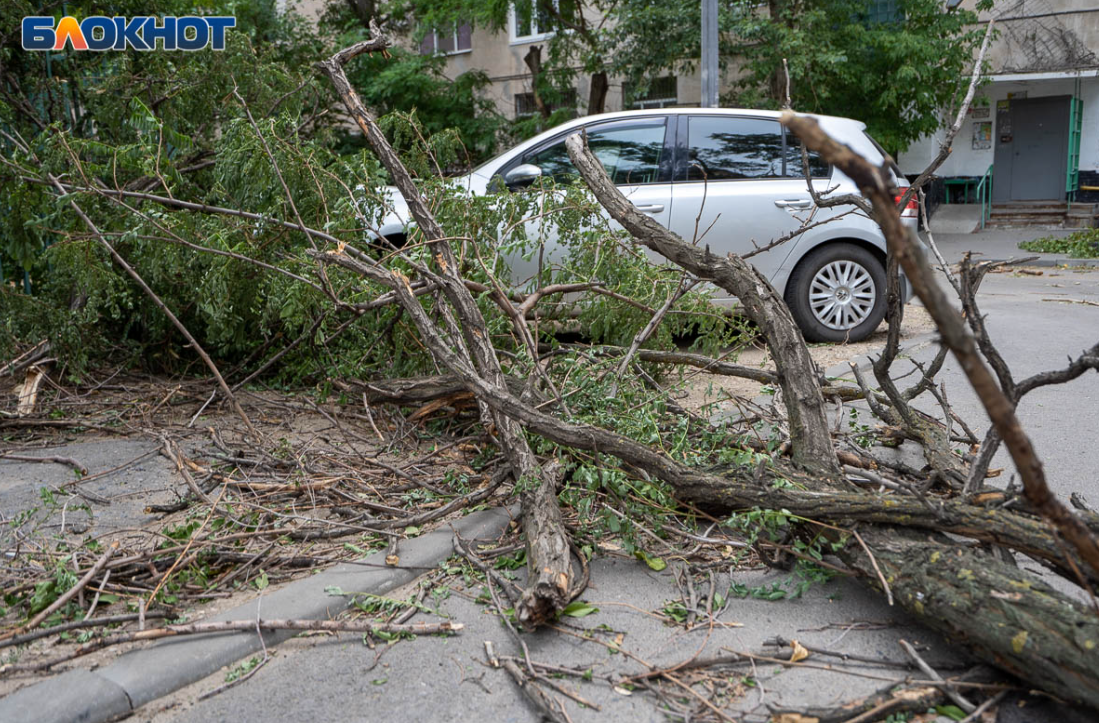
(892, 164)
(723, 148)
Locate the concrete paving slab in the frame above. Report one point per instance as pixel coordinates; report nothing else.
(956, 218)
(151, 672)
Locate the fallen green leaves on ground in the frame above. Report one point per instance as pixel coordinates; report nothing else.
(1082, 244)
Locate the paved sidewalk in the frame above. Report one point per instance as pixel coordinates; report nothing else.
(146, 674)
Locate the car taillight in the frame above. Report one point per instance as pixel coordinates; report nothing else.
(911, 210)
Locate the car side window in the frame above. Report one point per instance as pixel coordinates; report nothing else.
(723, 148)
(630, 152)
(818, 167)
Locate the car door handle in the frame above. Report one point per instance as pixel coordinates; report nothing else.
(794, 203)
(651, 208)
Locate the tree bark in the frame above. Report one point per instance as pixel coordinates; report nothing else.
(597, 93)
(1005, 615)
(533, 60)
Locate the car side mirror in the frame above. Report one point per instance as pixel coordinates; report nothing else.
(522, 176)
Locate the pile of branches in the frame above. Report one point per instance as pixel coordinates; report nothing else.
(246, 515)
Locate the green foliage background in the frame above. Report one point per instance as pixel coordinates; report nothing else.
(171, 124)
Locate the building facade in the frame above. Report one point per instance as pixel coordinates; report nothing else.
(501, 55)
(1034, 128)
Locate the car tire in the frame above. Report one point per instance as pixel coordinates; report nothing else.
(837, 293)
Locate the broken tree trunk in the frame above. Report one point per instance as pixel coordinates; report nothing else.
(541, 602)
(1002, 613)
(1008, 617)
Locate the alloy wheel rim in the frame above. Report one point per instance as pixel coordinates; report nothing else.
(842, 295)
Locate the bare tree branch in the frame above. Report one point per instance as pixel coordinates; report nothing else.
(955, 333)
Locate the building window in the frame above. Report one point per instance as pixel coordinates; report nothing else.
(661, 94)
(460, 40)
(528, 21)
(525, 106)
(884, 12)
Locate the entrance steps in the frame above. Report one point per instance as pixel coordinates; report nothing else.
(1044, 214)
(1082, 215)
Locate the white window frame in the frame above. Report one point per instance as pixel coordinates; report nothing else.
(513, 26)
(436, 51)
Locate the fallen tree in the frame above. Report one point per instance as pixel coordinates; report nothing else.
(1007, 616)
(895, 526)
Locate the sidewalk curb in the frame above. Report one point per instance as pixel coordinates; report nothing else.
(1055, 262)
(143, 675)
(865, 361)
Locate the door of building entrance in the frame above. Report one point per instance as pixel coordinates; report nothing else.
(1031, 149)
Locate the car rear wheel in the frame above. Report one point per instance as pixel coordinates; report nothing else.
(837, 293)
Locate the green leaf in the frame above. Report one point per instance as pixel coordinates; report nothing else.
(656, 563)
(579, 609)
(334, 590)
(261, 582)
(952, 712)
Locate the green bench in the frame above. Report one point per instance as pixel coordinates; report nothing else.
(965, 183)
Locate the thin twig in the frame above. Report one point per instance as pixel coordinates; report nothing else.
(71, 593)
(874, 562)
(930, 672)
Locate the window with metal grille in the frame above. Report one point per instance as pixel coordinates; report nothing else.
(884, 12)
(525, 105)
(660, 94)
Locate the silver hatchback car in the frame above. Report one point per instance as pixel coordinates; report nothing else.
(735, 178)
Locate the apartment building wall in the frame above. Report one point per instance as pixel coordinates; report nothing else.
(1045, 49)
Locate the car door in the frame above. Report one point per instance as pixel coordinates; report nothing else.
(739, 186)
(635, 155)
